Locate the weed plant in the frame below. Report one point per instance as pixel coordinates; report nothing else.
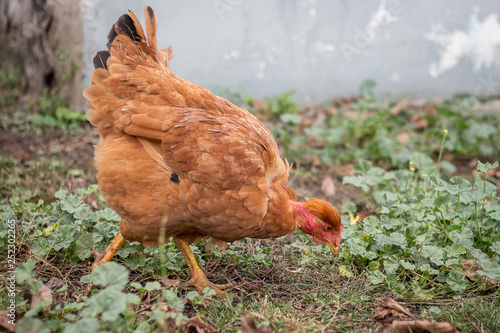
(432, 240)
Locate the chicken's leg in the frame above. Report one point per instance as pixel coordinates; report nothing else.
(110, 252)
(199, 279)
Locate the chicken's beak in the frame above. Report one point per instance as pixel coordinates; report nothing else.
(333, 248)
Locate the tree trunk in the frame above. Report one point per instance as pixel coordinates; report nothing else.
(44, 39)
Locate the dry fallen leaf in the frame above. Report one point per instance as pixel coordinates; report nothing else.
(418, 326)
(4, 321)
(346, 102)
(470, 270)
(171, 324)
(332, 110)
(431, 110)
(400, 106)
(249, 326)
(146, 298)
(403, 138)
(418, 121)
(389, 310)
(346, 170)
(54, 283)
(472, 163)
(197, 325)
(317, 161)
(328, 187)
(43, 294)
(162, 306)
(259, 105)
(170, 283)
(192, 325)
(145, 304)
(489, 106)
(364, 213)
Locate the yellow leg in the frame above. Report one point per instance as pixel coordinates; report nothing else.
(199, 279)
(110, 252)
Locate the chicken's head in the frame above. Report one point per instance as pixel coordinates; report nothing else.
(321, 220)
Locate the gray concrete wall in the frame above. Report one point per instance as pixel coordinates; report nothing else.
(321, 49)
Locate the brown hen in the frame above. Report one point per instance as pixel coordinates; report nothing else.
(177, 161)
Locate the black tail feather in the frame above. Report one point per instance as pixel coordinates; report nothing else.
(111, 37)
(151, 13)
(100, 59)
(124, 25)
(128, 25)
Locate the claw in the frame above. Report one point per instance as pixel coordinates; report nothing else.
(199, 279)
(101, 258)
(201, 282)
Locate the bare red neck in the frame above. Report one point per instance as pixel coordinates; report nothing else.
(303, 217)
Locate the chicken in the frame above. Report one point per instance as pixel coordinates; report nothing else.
(175, 160)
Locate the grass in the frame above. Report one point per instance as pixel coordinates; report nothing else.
(418, 203)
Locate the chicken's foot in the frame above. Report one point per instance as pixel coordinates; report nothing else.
(110, 252)
(107, 255)
(199, 279)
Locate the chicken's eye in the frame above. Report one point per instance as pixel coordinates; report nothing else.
(328, 228)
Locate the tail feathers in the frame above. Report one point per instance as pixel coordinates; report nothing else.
(128, 29)
(129, 26)
(100, 59)
(151, 26)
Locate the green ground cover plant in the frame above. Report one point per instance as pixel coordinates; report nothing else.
(420, 205)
